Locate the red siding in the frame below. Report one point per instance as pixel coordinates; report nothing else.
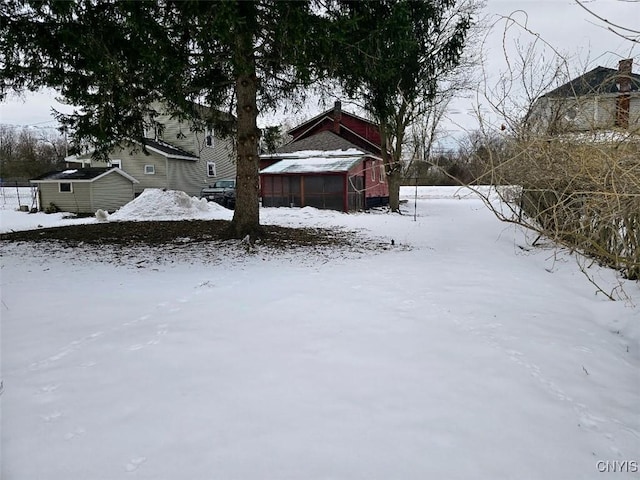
(372, 186)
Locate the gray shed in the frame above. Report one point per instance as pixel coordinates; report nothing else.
(85, 190)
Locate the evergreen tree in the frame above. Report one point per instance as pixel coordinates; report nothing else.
(114, 59)
(392, 54)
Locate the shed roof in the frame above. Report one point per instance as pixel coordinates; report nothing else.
(81, 175)
(316, 162)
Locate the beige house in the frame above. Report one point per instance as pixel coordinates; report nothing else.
(601, 99)
(175, 155)
(85, 190)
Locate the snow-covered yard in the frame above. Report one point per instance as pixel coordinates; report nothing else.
(458, 353)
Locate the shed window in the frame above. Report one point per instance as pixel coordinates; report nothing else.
(65, 187)
(149, 169)
(209, 139)
(211, 169)
(116, 163)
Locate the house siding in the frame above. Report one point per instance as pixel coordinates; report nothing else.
(111, 192)
(133, 162)
(78, 201)
(592, 112)
(189, 176)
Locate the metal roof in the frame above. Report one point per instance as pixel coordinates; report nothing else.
(315, 164)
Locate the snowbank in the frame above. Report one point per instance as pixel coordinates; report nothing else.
(157, 204)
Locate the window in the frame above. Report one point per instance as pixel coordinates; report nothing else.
(373, 171)
(65, 187)
(382, 173)
(209, 139)
(211, 169)
(116, 163)
(149, 169)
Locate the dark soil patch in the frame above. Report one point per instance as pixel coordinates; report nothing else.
(179, 232)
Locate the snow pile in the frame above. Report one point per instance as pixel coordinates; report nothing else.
(156, 204)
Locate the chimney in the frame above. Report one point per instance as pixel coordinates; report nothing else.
(623, 99)
(337, 116)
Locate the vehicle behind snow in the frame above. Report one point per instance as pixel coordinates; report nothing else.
(222, 192)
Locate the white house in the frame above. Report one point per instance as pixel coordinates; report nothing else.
(176, 155)
(601, 99)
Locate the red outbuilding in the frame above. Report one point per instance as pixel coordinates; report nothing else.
(332, 162)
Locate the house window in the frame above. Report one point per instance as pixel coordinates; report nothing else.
(149, 169)
(211, 169)
(382, 173)
(209, 139)
(116, 163)
(373, 171)
(65, 187)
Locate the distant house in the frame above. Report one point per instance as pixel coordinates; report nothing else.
(85, 190)
(176, 155)
(333, 161)
(601, 99)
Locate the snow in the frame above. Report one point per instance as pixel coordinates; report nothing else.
(460, 352)
(156, 204)
(313, 165)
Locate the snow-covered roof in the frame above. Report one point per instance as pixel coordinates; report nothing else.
(314, 164)
(81, 175)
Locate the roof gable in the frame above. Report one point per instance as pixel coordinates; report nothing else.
(326, 115)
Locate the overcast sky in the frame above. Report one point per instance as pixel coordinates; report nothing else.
(562, 23)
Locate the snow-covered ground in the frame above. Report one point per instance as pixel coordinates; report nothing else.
(460, 352)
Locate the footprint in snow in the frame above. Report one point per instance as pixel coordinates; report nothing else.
(52, 387)
(135, 463)
(51, 417)
(78, 432)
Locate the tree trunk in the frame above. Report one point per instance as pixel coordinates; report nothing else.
(392, 169)
(246, 218)
(394, 179)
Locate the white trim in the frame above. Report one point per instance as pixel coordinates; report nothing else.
(116, 162)
(149, 171)
(209, 138)
(65, 183)
(211, 164)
